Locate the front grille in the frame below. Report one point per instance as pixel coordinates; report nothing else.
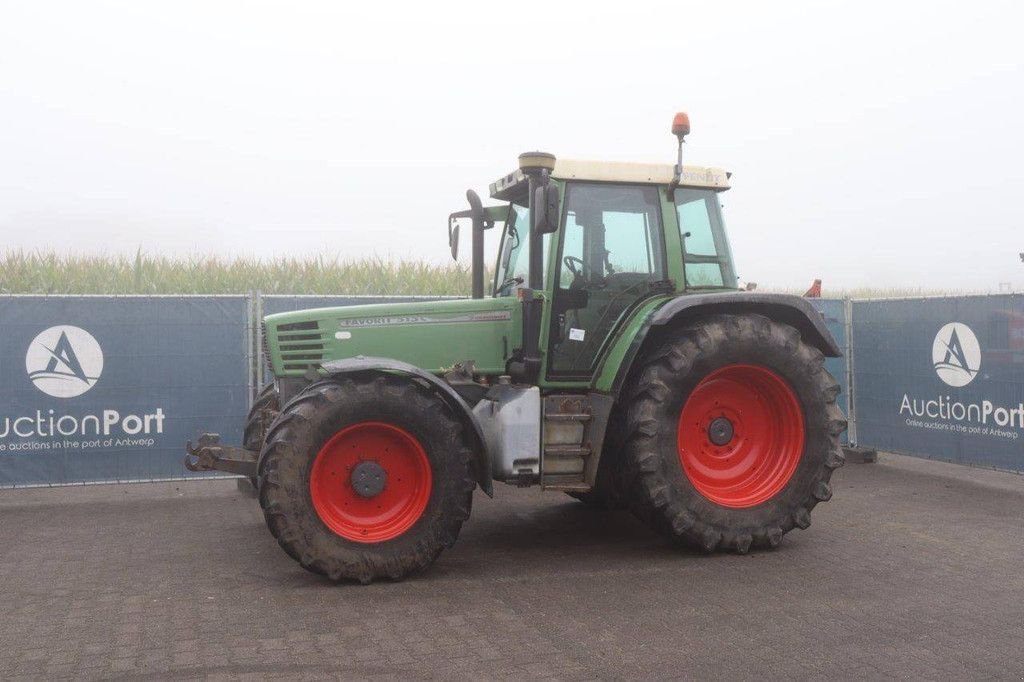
(299, 326)
(300, 344)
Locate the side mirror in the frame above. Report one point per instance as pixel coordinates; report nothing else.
(453, 237)
(545, 202)
(482, 217)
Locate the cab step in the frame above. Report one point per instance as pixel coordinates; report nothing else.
(573, 431)
(566, 451)
(568, 484)
(568, 417)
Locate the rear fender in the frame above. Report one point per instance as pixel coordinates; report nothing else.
(792, 310)
(370, 365)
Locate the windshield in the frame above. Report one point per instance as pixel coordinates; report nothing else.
(514, 255)
(707, 260)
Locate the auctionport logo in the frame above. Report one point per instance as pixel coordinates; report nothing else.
(64, 361)
(956, 354)
(956, 357)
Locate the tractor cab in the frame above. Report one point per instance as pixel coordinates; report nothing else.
(612, 236)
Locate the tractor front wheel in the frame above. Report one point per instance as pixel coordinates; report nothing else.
(261, 415)
(366, 478)
(732, 433)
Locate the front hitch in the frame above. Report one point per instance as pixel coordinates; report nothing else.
(209, 455)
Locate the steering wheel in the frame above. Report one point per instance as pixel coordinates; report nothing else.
(570, 264)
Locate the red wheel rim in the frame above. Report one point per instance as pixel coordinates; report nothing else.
(405, 490)
(755, 461)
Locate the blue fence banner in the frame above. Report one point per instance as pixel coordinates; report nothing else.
(942, 378)
(102, 388)
(110, 388)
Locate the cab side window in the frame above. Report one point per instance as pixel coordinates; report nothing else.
(706, 260)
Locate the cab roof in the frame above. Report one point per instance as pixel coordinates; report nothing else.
(510, 186)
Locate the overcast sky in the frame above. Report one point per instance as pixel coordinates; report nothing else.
(877, 144)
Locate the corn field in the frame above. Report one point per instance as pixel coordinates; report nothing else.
(51, 273)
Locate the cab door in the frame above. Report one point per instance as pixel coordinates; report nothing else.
(611, 256)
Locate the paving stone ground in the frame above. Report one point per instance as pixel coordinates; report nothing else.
(914, 570)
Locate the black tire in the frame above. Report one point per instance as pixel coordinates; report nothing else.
(261, 415)
(660, 491)
(325, 408)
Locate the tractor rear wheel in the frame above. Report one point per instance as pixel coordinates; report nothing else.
(261, 415)
(366, 478)
(732, 433)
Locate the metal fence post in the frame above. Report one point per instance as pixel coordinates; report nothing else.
(260, 367)
(851, 409)
(249, 348)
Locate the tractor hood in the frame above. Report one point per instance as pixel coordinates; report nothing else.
(432, 335)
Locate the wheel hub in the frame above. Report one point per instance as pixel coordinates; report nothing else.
(740, 435)
(720, 431)
(370, 482)
(369, 478)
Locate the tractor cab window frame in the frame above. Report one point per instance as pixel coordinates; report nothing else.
(611, 256)
(707, 259)
(514, 264)
(513, 252)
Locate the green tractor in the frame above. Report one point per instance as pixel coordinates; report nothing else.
(612, 358)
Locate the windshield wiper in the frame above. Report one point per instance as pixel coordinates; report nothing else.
(506, 284)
